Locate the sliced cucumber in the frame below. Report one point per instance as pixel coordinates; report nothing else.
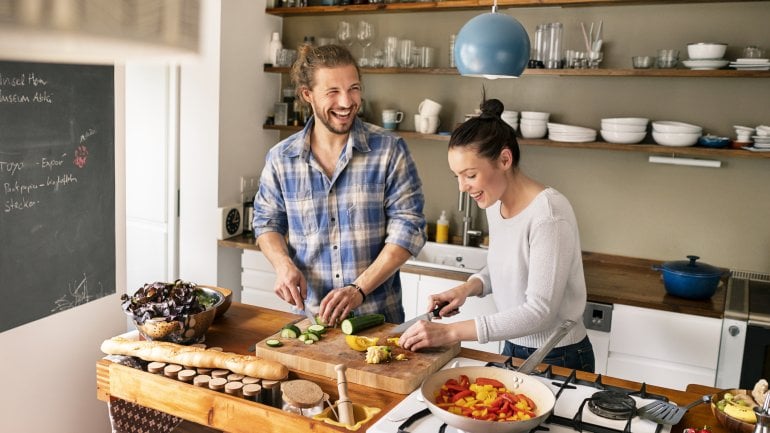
(273, 343)
(309, 341)
(317, 329)
(312, 336)
(357, 324)
(290, 331)
(303, 337)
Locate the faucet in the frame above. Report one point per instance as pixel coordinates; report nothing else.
(464, 205)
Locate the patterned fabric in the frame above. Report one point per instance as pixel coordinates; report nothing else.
(337, 226)
(127, 417)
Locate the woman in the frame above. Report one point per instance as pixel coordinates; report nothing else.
(534, 264)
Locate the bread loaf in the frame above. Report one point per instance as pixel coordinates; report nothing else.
(196, 357)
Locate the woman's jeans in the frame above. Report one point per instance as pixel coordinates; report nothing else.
(578, 356)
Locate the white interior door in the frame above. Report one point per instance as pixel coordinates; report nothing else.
(152, 177)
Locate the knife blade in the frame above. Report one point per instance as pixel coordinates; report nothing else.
(430, 315)
(309, 314)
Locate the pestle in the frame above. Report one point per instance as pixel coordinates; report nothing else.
(344, 405)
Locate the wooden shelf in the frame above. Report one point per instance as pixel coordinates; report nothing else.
(649, 148)
(675, 73)
(458, 5)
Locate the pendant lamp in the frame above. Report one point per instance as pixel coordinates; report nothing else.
(492, 45)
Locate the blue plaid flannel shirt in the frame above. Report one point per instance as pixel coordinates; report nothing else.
(336, 227)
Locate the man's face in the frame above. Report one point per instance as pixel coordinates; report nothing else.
(335, 97)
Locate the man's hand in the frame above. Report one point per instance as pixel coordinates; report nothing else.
(290, 285)
(338, 304)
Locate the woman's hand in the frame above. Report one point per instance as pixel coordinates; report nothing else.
(454, 297)
(424, 334)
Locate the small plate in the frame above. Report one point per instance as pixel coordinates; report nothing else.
(755, 149)
(705, 64)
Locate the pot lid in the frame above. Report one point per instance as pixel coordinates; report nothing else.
(692, 268)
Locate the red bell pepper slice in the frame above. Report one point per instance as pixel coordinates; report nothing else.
(487, 381)
(464, 381)
(461, 394)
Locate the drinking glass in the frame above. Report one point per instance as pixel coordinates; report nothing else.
(345, 33)
(365, 37)
(405, 59)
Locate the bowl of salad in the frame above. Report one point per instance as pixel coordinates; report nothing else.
(178, 312)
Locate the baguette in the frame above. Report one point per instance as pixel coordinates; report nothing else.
(196, 357)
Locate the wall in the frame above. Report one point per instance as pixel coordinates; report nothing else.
(49, 364)
(625, 205)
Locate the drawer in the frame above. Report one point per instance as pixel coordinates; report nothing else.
(255, 260)
(264, 281)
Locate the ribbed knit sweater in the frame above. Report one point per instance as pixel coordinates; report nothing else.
(535, 273)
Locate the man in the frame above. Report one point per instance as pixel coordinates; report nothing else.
(340, 204)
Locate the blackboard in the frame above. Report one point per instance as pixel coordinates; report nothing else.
(57, 188)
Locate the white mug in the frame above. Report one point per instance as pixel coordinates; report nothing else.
(429, 107)
(426, 124)
(391, 118)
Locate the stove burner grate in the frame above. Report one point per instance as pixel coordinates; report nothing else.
(612, 405)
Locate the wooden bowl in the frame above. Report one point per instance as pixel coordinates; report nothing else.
(227, 293)
(732, 424)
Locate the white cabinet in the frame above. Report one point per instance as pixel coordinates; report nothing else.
(258, 280)
(416, 289)
(663, 348)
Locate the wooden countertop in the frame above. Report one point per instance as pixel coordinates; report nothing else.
(239, 329)
(609, 279)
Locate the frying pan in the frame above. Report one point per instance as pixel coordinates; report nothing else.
(519, 381)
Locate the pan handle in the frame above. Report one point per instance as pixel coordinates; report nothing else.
(538, 355)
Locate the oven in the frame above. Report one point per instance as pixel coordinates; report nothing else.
(744, 353)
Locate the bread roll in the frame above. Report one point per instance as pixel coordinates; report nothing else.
(196, 357)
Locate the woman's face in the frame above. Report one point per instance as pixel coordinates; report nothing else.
(484, 179)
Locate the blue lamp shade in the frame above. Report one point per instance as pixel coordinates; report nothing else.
(492, 45)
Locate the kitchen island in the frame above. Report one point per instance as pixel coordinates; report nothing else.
(238, 330)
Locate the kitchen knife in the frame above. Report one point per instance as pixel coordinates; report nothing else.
(426, 316)
(309, 314)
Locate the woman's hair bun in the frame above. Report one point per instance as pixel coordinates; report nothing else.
(491, 108)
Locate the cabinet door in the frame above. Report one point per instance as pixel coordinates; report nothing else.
(473, 307)
(601, 343)
(258, 280)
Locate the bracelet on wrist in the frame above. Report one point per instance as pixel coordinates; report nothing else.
(360, 290)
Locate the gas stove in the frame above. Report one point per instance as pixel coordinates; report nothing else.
(580, 406)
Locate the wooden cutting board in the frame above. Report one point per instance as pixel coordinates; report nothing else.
(401, 377)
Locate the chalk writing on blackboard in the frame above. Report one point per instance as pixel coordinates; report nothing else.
(77, 293)
(57, 188)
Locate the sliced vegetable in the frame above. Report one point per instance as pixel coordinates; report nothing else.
(357, 324)
(290, 331)
(317, 329)
(311, 336)
(360, 343)
(273, 343)
(309, 341)
(303, 337)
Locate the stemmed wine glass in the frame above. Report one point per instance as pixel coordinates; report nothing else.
(365, 37)
(345, 33)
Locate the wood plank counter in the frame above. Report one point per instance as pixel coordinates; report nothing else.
(237, 331)
(609, 279)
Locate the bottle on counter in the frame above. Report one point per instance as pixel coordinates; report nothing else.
(442, 228)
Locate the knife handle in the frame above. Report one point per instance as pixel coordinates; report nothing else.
(438, 308)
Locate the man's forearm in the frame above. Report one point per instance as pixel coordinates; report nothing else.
(387, 262)
(273, 246)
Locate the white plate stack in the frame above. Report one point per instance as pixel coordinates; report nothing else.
(677, 134)
(624, 130)
(511, 118)
(570, 133)
(762, 139)
(751, 64)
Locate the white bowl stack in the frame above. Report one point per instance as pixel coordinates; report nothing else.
(624, 130)
(570, 133)
(534, 124)
(706, 56)
(677, 134)
(762, 139)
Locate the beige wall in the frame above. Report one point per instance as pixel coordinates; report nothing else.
(624, 204)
